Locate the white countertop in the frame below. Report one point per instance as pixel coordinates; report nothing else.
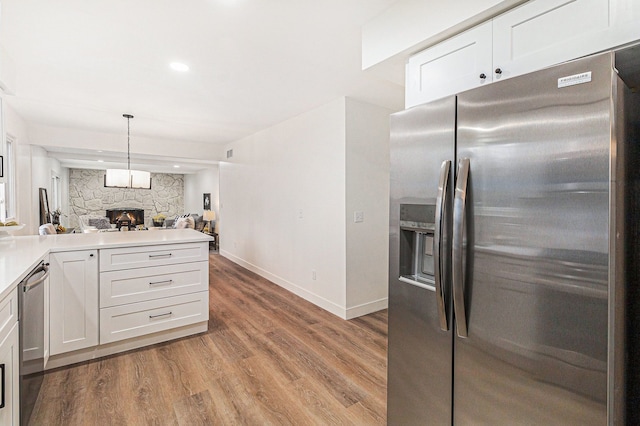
(19, 255)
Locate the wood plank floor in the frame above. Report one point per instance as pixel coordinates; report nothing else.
(269, 358)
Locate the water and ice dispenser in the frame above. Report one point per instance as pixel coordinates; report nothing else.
(416, 243)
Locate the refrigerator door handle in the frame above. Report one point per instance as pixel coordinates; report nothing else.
(439, 235)
(459, 211)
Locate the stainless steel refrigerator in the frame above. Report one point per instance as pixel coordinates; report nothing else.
(513, 259)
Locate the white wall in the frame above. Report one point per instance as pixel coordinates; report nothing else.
(412, 25)
(282, 204)
(205, 181)
(367, 185)
(288, 196)
(17, 128)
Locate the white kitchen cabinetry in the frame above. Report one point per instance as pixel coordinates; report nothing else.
(142, 318)
(151, 289)
(625, 22)
(9, 360)
(141, 257)
(535, 35)
(73, 313)
(455, 65)
(140, 284)
(542, 33)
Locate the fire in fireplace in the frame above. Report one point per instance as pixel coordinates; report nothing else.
(130, 217)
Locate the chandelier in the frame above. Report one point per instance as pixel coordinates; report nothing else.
(121, 178)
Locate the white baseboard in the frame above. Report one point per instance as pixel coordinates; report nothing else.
(319, 301)
(367, 308)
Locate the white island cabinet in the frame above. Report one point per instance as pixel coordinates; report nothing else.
(9, 360)
(122, 292)
(145, 290)
(73, 297)
(148, 287)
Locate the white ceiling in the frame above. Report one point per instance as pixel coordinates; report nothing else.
(254, 63)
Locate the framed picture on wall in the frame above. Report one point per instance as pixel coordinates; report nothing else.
(206, 201)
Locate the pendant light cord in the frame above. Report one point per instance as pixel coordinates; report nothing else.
(128, 117)
(128, 146)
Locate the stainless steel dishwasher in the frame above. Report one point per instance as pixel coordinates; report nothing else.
(31, 324)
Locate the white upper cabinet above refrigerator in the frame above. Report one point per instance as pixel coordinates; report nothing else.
(542, 33)
(535, 35)
(625, 22)
(455, 65)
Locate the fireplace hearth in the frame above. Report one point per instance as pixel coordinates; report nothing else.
(129, 217)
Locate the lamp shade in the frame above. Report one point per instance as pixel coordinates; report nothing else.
(117, 178)
(140, 179)
(209, 215)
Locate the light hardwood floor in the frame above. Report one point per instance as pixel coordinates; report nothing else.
(269, 357)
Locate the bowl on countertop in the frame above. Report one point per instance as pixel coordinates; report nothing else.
(6, 231)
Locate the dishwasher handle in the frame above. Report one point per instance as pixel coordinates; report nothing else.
(44, 267)
(3, 378)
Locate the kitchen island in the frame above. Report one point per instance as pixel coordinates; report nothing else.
(110, 292)
(18, 255)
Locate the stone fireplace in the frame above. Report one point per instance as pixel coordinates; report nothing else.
(88, 196)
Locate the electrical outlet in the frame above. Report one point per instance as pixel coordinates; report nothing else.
(300, 214)
(313, 274)
(358, 217)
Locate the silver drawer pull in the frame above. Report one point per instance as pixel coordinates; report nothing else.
(162, 282)
(151, 256)
(160, 315)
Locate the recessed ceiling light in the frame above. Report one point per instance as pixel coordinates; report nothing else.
(100, 161)
(176, 166)
(99, 151)
(178, 66)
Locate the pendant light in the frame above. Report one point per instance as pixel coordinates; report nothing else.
(120, 178)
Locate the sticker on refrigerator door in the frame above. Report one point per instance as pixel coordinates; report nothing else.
(572, 80)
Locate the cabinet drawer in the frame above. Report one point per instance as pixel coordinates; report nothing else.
(140, 257)
(138, 285)
(8, 313)
(137, 319)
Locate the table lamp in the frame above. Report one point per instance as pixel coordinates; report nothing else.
(208, 216)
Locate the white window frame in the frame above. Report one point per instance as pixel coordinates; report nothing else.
(9, 209)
